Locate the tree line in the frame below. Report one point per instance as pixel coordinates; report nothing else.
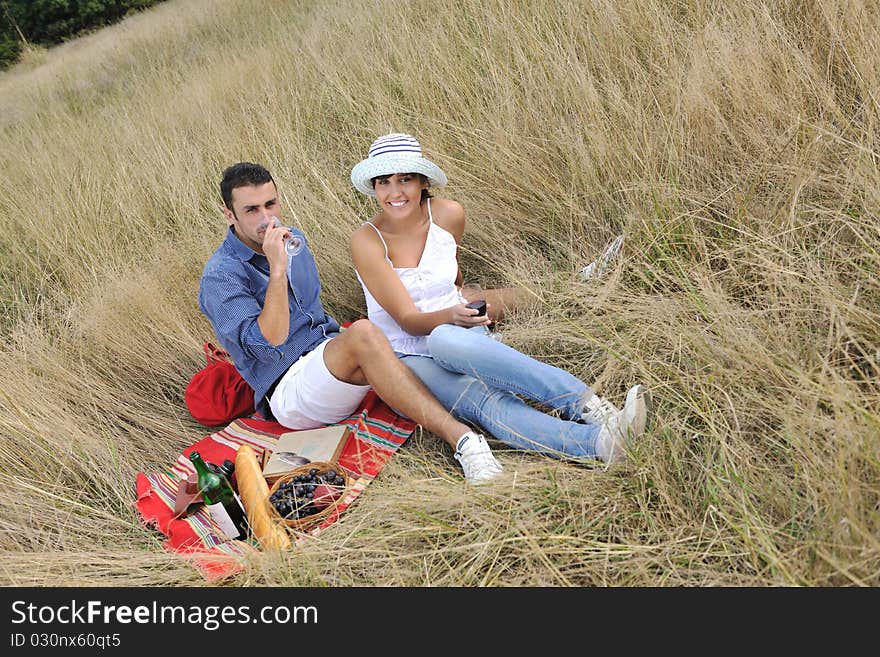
(49, 22)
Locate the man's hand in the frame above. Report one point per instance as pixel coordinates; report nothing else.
(273, 245)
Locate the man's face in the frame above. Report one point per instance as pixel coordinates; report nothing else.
(253, 207)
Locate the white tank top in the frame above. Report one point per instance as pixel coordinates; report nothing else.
(431, 285)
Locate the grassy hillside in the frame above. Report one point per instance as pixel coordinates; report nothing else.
(737, 146)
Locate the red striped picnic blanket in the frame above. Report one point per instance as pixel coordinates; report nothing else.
(378, 433)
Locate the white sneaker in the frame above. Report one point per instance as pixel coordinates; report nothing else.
(621, 433)
(599, 410)
(476, 458)
(596, 268)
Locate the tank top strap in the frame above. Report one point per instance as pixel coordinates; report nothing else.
(430, 216)
(379, 233)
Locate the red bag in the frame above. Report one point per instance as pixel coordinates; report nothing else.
(218, 394)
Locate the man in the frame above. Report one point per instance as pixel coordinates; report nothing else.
(265, 307)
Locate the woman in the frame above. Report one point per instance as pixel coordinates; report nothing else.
(406, 258)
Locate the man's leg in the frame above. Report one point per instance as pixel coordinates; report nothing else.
(362, 355)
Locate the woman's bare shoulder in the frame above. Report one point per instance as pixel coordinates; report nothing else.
(448, 214)
(446, 206)
(364, 236)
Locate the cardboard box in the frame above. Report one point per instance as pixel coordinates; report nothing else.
(323, 444)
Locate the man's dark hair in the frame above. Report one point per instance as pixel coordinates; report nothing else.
(243, 174)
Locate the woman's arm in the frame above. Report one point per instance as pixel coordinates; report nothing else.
(450, 215)
(368, 255)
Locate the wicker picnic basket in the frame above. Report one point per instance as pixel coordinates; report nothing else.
(307, 522)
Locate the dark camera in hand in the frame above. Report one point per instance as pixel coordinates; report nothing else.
(479, 305)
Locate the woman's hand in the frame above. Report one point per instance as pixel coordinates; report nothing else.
(461, 315)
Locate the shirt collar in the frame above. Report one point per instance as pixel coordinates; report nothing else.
(237, 248)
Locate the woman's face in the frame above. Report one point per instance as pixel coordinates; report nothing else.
(399, 193)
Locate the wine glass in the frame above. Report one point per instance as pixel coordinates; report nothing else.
(472, 291)
(474, 295)
(293, 245)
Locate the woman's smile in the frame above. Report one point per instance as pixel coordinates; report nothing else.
(399, 191)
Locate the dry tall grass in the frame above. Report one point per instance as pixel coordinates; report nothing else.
(735, 143)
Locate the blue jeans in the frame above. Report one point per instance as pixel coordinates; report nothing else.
(482, 381)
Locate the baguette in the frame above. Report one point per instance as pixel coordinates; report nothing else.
(254, 493)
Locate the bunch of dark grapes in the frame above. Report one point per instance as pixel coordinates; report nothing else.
(295, 498)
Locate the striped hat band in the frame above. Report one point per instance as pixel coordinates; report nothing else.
(395, 143)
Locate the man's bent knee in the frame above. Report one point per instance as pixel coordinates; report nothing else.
(366, 334)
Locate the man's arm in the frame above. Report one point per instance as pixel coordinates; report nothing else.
(274, 319)
(226, 300)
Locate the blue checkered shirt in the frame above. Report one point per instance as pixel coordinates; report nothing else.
(231, 295)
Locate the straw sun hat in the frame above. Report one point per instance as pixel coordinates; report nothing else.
(394, 153)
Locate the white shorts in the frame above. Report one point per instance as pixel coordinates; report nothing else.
(309, 396)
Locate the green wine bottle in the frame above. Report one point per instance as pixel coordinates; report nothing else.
(222, 502)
